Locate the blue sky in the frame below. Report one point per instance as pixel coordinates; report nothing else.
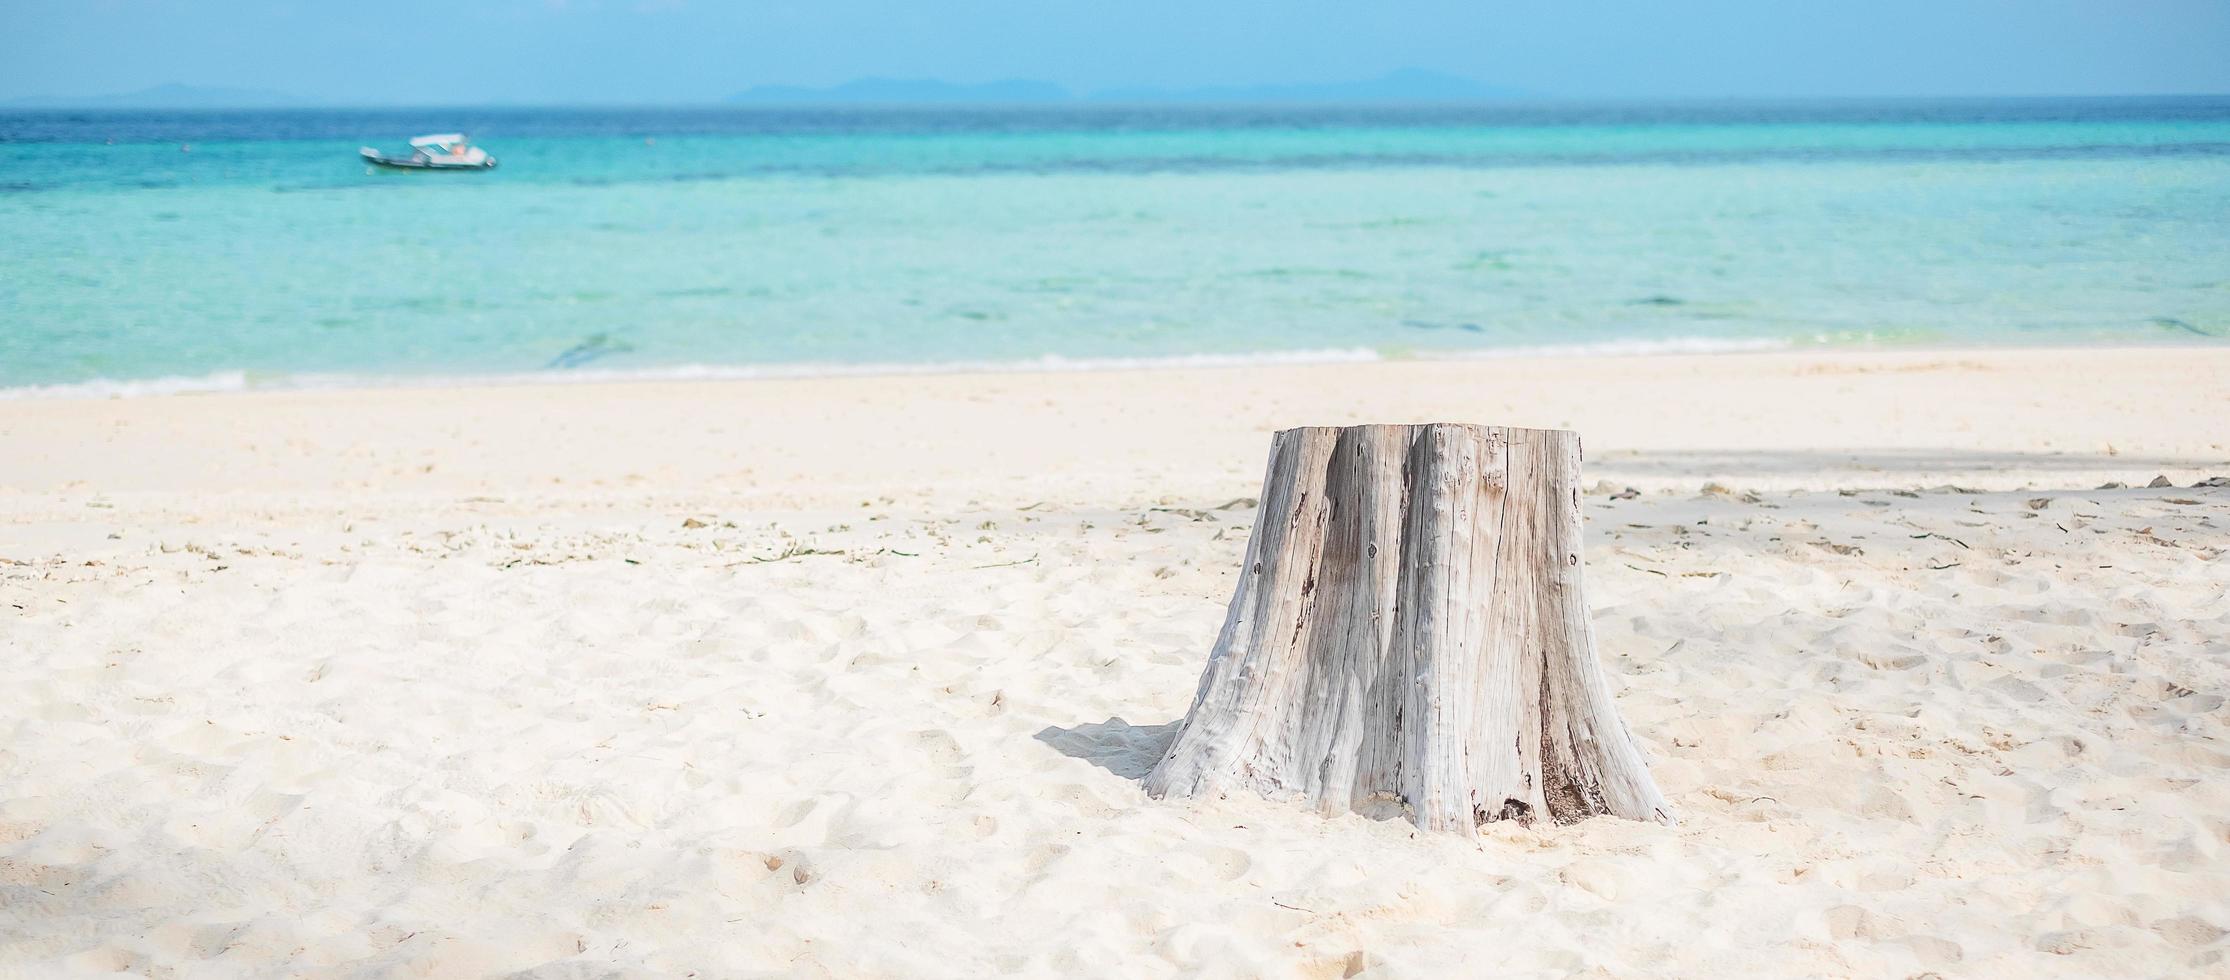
(678, 51)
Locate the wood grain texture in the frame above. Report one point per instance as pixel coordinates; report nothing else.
(1409, 637)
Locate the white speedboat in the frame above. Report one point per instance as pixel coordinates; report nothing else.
(440, 151)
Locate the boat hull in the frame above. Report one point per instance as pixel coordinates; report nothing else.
(410, 163)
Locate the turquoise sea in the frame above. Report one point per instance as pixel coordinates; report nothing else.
(218, 250)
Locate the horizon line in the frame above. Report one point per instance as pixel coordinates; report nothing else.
(65, 103)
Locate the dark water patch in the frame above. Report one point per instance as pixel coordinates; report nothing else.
(448, 303)
(1385, 223)
(590, 348)
(1433, 325)
(1286, 272)
(1486, 261)
(320, 186)
(992, 159)
(127, 126)
(2172, 323)
(1656, 301)
(1274, 162)
(576, 146)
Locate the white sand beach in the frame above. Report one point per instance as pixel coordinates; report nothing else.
(857, 678)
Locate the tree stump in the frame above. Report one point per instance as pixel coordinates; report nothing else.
(1408, 637)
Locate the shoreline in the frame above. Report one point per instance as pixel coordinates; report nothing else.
(1803, 419)
(2046, 420)
(240, 381)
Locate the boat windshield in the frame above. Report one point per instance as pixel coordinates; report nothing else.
(451, 144)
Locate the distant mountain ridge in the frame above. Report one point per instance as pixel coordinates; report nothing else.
(1406, 85)
(909, 90)
(170, 96)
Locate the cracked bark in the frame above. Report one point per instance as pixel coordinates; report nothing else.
(1408, 638)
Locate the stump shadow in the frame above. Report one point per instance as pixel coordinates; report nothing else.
(1115, 745)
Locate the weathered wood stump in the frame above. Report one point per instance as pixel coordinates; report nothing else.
(1408, 636)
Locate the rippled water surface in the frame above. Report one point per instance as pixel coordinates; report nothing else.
(221, 249)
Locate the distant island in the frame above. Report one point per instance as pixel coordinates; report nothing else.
(1406, 85)
(171, 96)
(908, 91)
(1410, 85)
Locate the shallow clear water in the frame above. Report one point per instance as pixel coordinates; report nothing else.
(770, 241)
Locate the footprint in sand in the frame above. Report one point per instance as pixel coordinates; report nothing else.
(2187, 930)
(1223, 863)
